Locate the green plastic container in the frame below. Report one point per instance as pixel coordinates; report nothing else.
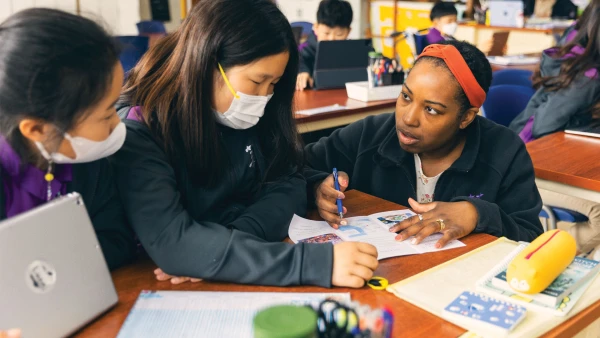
(285, 321)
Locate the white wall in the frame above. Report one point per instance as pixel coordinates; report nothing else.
(117, 16)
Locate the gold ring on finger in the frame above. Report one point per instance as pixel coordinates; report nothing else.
(442, 224)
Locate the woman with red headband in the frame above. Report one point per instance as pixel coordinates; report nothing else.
(459, 171)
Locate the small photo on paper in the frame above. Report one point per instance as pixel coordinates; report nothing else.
(326, 238)
(393, 219)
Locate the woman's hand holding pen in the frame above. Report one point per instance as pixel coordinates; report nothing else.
(453, 219)
(326, 196)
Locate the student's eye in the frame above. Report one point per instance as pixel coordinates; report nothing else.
(405, 96)
(256, 83)
(431, 111)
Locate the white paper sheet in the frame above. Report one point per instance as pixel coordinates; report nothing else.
(207, 314)
(321, 110)
(373, 229)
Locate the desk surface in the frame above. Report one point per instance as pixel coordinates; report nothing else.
(310, 99)
(532, 67)
(567, 159)
(550, 30)
(130, 280)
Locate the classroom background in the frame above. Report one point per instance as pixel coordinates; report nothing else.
(393, 27)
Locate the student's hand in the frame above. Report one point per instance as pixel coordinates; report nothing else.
(161, 276)
(303, 81)
(460, 219)
(12, 333)
(353, 264)
(325, 197)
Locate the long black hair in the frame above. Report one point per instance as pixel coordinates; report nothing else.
(53, 67)
(174, 85)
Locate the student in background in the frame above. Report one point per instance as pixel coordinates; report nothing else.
(334, 18)
(569, 96)
(209, 173)
(460, 171)
(60, 78)
(568, 81)
(444, 18)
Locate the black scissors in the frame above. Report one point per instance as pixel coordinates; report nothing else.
(334, 319)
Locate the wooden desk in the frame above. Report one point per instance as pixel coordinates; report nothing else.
(567, 164)
(531, 67)
(411, 321)
(553, 30)
(355, 110)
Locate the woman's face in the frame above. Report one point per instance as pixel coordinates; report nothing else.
(427, 113)
(97, 124)
(257, 78)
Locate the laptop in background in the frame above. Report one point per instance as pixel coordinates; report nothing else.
(54, 277)
(592, 129)
(338, 62)
(506, 13)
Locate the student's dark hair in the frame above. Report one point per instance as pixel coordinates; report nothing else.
(478, 64)
(442, 8)
(576, 65)
(54, 66)
(173, 83)
(335, 13)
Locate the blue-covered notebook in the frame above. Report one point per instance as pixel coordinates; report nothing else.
(492, 313)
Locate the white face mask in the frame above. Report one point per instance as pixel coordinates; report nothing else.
(450, 28)
(245, 110)
(88, 150)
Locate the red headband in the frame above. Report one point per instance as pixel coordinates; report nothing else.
(459, 68)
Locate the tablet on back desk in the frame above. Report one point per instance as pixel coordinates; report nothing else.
(342, 61)
(592, 130)
(54, 278)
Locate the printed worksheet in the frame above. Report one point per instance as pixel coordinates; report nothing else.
(208, 314)
(372, 229)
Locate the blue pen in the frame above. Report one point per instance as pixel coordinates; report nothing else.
(336, 184)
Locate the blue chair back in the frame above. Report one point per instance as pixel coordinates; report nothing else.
(306, 26)
(520, 77)
(151, 27)
(420, 43)
(505, 102)
(133, 47)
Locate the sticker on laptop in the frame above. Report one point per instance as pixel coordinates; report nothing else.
(40, 276)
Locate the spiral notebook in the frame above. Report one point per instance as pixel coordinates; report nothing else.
(486, 285)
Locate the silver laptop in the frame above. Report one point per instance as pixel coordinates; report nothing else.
(53, 276)
(505, 13)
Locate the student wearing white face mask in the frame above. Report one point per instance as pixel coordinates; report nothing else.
(209, 173)
(444, 17)
(58, 120)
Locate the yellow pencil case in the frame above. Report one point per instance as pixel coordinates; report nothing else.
(538, 265)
